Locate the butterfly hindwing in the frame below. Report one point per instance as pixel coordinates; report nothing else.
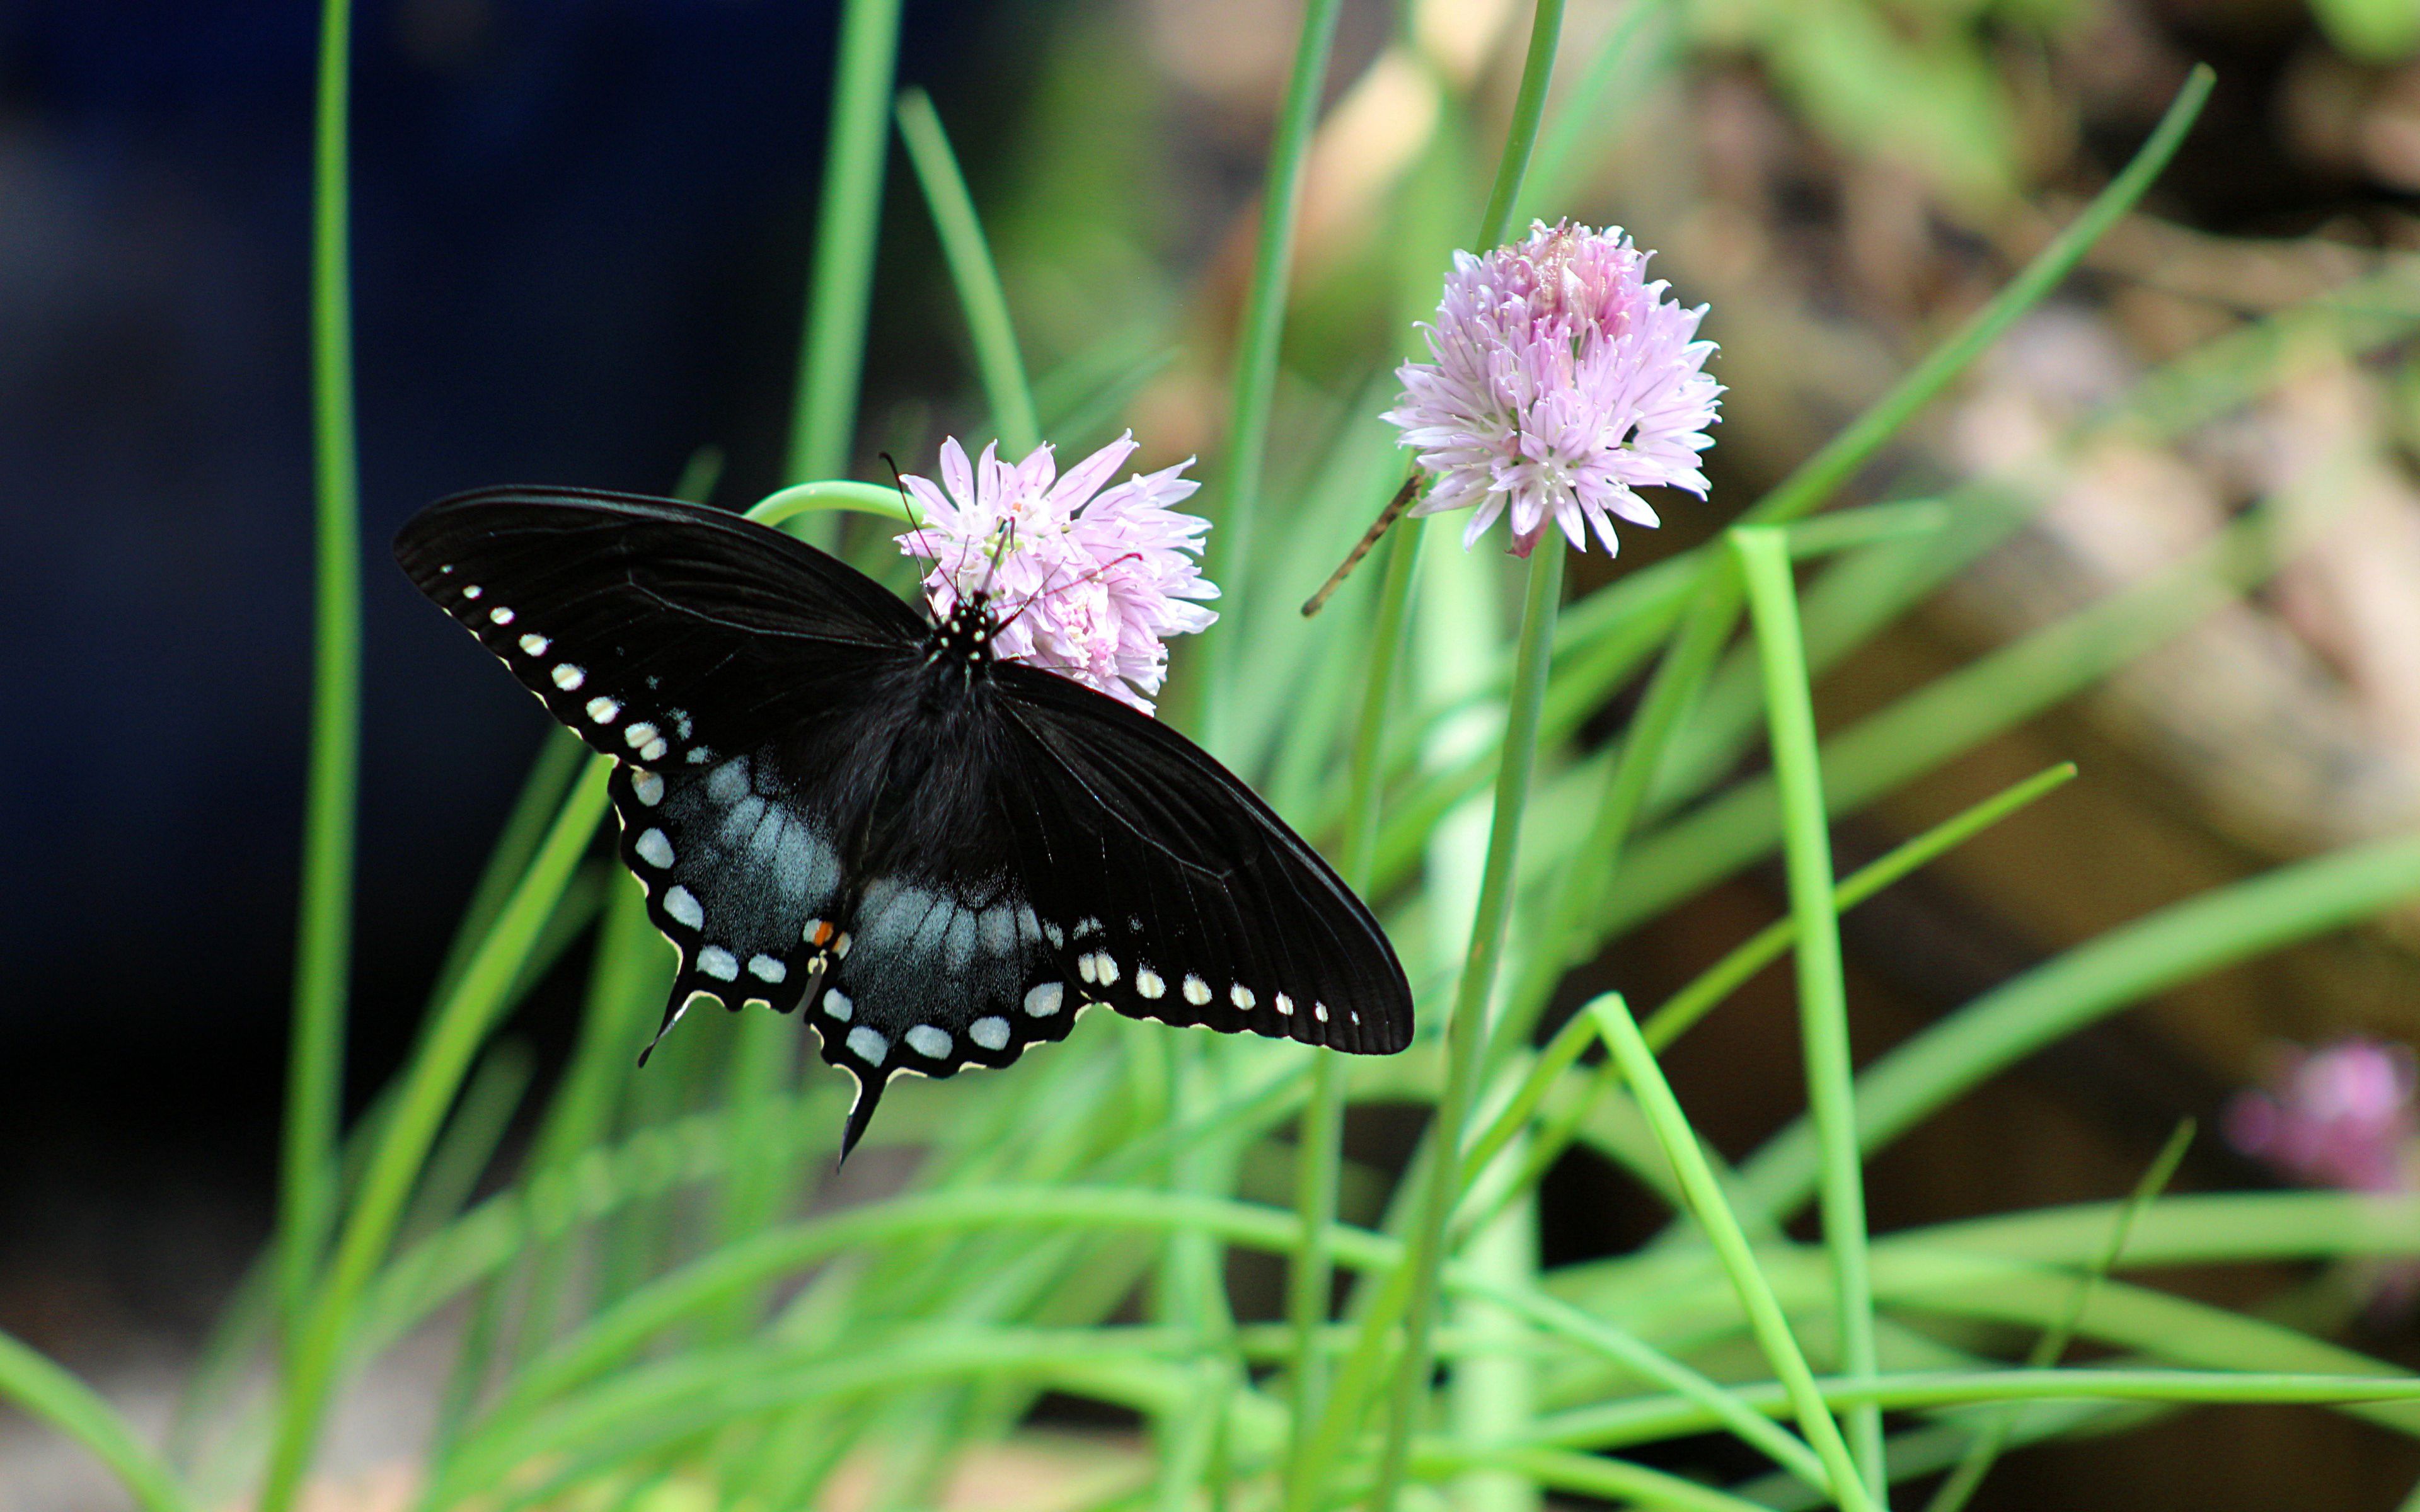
(1193, 902)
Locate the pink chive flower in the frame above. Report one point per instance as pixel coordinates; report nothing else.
(2342, 1115)
(1088, 582)
(1563, 381)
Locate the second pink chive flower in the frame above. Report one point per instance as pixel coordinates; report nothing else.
(1088, 582)
(1563, 381)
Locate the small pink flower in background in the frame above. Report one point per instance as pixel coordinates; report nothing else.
(1088, 582)
(2342, 1115)
(1563, 381)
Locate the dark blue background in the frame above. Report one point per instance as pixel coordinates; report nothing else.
(580, 232)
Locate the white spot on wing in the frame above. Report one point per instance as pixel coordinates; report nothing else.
(1285, 1004)
(990, 1033)
(639, 735)
(927, 1040)
(868, 1046)
(684, 907)
(655, 850)
(1241, 996)
(765, 968)
(654, 749)
(648, 787)
(1106, 966)
(836, 1004)
(603, 710)
(717, 962)
(500, 615)
(569, 677)
(1148, 983)
(534, 645)
(1321, 1011)
(1197, 992)
(473, 591)
(1085, 969)
(1043, 1000)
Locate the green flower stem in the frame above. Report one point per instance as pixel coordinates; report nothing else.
(805, 498)
(1466, 1029)
(970, 267)
(1583, 880)
(1256, 355)
(847, 222)
(323, 943)
(428, 1089)
(1705, 1198)
(1958, 1487)
(1310, 1278)
(1816, 479)
(1822, 993)
(42, 1390)
(1521, 132)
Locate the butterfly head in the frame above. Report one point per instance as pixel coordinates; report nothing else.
(968, 633)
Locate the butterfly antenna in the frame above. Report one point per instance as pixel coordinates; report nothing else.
(1386, 518)
(1045, 590)
(906, 501)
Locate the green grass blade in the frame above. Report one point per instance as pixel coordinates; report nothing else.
(2176, 943)
(1958, 1487)
(996, 358)
(1685, 1007)
(428, 1089)
(1823, 992)
(848, 218)
(1713, 1213)
(1817, 478)
(1256, 357)
(323, 943)
(44, 1391)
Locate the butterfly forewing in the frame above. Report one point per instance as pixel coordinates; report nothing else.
(832, 805)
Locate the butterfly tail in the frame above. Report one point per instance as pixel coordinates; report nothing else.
(672, 1012)
(861, 1113)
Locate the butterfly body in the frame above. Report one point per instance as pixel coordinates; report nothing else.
(836, 806)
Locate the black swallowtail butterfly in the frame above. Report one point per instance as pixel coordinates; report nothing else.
(834, 805)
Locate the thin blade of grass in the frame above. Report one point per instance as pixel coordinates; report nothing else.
(44, 1391)
(1262, 329)
(831, 355)
(429, 1087)
(996, 358)
(1959, 1488)
(2121, 966)
(1817, 478)
(1822, 993)
(325, 930)
(1756, 1297)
